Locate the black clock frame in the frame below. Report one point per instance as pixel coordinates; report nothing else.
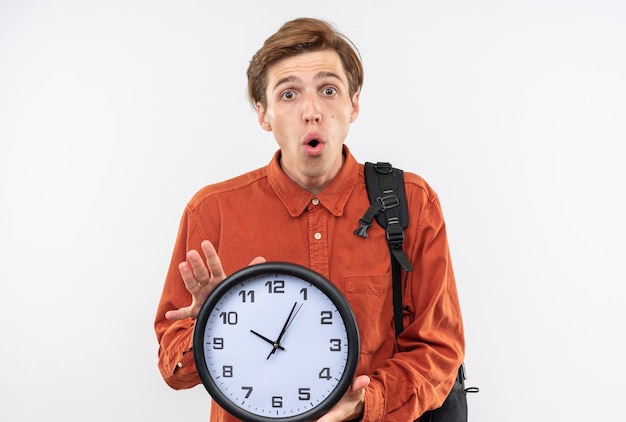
(303, 273)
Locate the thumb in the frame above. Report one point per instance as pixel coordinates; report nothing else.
(360, 382)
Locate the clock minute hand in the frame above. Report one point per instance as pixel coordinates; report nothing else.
(284, 329)
(294, 316)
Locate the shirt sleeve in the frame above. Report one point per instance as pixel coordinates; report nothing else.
(175, 356)
(431, 348)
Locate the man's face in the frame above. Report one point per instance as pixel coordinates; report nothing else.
(309, 109)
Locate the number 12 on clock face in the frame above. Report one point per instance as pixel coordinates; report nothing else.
(277, 343)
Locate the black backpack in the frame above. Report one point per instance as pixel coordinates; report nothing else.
(385, 189)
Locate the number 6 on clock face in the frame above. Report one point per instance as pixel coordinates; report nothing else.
(276, 341)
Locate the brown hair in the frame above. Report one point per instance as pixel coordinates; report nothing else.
(296, 37)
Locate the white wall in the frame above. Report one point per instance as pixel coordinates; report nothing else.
(113, 113)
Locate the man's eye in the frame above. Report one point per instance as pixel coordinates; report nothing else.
(329, 91)
(288, 95)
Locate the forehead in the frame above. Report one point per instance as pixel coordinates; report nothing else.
(306, 66)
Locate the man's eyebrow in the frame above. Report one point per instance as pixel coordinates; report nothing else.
(320, 75)
(285, 80)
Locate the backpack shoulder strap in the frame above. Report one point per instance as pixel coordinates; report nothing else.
(385, 189)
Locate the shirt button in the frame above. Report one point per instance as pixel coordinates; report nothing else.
(315, 201)
(317, 236)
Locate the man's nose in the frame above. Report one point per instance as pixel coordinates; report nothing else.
(312, 112)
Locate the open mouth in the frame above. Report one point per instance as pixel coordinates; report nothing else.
(314, 147)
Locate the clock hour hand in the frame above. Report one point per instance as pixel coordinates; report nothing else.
(290, 318)
(266, 339)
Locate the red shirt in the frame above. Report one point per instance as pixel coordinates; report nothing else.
(264, 213)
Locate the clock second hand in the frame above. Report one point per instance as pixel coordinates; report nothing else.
(290, 319)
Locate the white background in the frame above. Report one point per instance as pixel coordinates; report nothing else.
(113, 113)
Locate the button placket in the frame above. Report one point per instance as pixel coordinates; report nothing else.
(318, 244)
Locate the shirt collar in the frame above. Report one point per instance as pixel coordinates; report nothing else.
(333, 197)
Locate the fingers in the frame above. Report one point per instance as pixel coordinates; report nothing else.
(257, 260)
(187, 274)
(200, 276)
(198, 271)
(351, 404)
(213, 260)
(213, 270)
(196, 268)
(178, 314)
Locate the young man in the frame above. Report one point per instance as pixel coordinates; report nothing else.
(303, 207)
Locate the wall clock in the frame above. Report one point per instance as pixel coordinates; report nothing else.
(276, 341)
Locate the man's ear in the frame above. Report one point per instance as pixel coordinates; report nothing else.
(355, 107)
(262, 116)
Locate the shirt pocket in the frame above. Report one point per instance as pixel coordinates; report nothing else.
(370, 299)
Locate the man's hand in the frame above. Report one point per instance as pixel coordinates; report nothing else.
(351, 404)
(200, 279)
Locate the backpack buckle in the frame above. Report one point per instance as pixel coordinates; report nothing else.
(388, 201)
(383, 167)
(395, 234)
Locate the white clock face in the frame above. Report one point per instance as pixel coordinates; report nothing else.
(276, 346)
